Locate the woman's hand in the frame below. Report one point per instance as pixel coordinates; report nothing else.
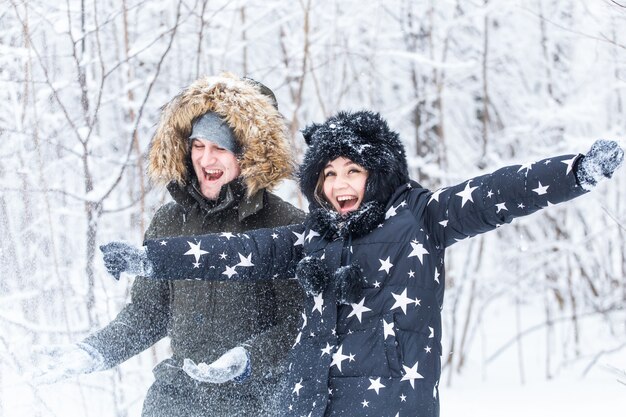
(604, 157)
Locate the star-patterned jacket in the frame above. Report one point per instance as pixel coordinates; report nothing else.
(379, 356)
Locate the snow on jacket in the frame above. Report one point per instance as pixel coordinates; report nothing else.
(381, 355)
(204, 319)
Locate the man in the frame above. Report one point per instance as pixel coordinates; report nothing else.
(220, 146)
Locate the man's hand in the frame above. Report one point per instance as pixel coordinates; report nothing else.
(604, 157)
(121, 257)
(233, 365)
(59, 362)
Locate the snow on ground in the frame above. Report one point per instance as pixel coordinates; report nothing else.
(585, 385)
(598, 394)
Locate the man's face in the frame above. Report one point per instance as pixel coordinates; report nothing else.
(214, 166)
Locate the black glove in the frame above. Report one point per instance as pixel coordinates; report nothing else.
(604, 157)
(121, 257)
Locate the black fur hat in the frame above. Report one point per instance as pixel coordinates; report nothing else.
(365, 138)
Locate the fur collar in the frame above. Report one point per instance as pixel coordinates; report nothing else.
(357, 223)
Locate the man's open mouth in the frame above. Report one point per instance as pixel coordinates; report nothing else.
(347, 202)
(213, 174)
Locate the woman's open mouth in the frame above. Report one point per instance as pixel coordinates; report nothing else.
(213, 174)
(347, 202)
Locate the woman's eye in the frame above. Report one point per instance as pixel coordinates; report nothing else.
(329, 174)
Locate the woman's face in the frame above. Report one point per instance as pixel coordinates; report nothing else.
(344, 184)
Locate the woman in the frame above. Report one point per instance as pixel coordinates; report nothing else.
(371, 257)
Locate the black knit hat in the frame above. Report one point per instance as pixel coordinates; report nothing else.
(363, 137)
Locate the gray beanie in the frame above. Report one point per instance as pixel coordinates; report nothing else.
(212, 127)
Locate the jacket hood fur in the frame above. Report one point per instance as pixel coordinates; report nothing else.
(259, 129)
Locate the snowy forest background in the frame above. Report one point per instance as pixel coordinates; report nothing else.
(470, 85)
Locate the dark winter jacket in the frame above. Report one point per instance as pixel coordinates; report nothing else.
(204, 319)
(380, 355)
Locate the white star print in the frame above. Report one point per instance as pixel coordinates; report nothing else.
(570, 164)
(300, 237)
(223, 255)
(500, 207)
(411, 274)
(444, 223)
(227, 235)
(541, 190)
(418, 250)
(376, 284)
(245, 261)
(311, 235)
(163, 243)
(436, 276)
(527, 167)
(435, 196)
(319, 303)
(358, 310)
(403, 398)
(298, 387)
(432, 332)
(327, 349)
(274, 235)
(385, 265)
(230, 271)
(411, 374)
(391, 212)
(521, 205)
(365, 403)
(466, 194)
(195, 251)
(376, 385)
(401, 301)
(388, 329)
(427, 349)
(338, 357)
(196, 265)
(489, 194)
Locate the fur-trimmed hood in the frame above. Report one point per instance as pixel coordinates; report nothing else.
(365, 138)
(259, 129)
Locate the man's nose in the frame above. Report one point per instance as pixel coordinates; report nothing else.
(208, 156)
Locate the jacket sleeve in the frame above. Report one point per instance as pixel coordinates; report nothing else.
(143, 321)
(488, 201)
(253, 255)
